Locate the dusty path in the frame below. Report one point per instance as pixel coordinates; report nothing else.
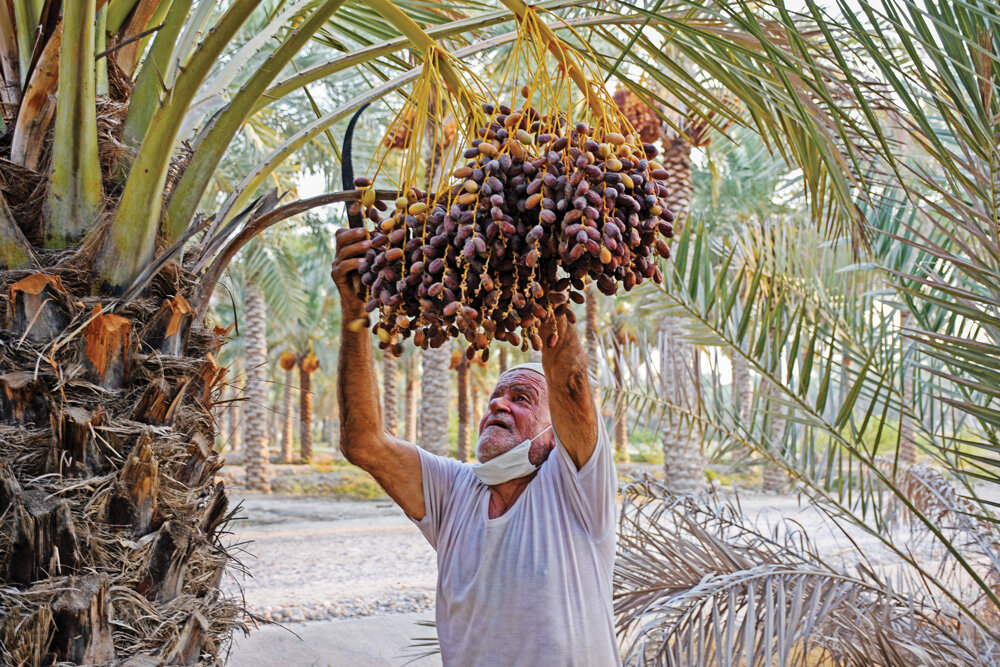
(351, 579)
(314, 558)
(321, 558)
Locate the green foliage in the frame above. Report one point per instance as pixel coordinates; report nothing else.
(358, 485)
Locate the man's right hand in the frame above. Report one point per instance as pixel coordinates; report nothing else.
(352, 244)
(393, 463)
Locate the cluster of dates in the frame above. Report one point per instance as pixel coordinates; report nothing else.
(539, 208)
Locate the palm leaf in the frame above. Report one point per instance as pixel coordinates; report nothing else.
(697, 584)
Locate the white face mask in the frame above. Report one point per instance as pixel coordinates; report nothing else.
(510, 465)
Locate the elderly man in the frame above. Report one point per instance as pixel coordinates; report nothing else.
(525, 540)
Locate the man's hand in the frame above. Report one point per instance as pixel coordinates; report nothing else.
(352, 244)
(394, 464)
(571, 400)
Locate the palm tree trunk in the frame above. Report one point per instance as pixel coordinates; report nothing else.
(390, 399)
(677, 162)
(774, 476)
(287, 418)
(907, 444)
(434, 403)
(683, 465)
(475, 411)
(107, 487)
(682, 459)
(305, 416)
(742, 387)
(256, 462)
(593, 339)
(621, 407)
(462, 371)
(307, 367)
(273, 426)
(410, 401)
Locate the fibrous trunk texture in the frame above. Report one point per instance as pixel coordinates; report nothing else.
(287, 418)
(109, 509)
(390, 398)
(621, 406)
(307, 367)
(410, 400)
(683, 465)
(475, 411)
(434, 403)
(677, 162)
(682, 459)
(742, 387)
(593, 339)
(257, 457)
(774, 476)
(464, 416)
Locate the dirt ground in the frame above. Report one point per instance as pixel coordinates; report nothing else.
(348, 580)
(345, 582)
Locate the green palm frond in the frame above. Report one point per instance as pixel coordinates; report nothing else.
(832, 365)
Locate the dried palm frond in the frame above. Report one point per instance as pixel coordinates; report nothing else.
(934, 496)
(697, 584)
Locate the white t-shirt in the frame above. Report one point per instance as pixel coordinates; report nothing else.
(533, 586)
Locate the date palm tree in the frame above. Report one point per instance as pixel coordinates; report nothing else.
(257, 437)
(121, 209)
(856, 346)
(118, 117)
(287, 363)
(435, 399)
(461, 365)
(410, 399)
(390, 393)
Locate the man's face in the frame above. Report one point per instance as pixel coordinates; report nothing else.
(518, 410)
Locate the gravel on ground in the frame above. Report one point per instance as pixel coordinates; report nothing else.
(313, 558)
(345, 582)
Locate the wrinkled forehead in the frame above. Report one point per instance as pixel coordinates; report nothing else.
(521, 379)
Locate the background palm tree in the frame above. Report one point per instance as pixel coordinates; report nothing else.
(906, 89)
(435, 399)
(308, 364)
(390, 397)
(461, 365)
(256, 409)
(287, 362)
(410, 399)
(109, 266)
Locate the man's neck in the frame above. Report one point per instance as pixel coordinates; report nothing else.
(503, 496)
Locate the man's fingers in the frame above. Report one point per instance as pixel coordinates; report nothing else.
(342, 268)
(347, 236)
(354, 249)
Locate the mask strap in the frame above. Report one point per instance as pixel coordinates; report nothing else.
(539, 434)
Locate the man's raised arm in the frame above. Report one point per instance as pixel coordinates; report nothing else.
(571, 401)
(393, 463)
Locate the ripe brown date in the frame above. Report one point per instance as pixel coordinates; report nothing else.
(537, 208)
